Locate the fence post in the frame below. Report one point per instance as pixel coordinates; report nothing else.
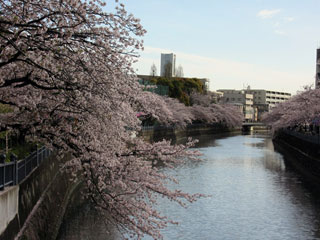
(17, 172)
(13, 158)
(4, 175)
(2, 161)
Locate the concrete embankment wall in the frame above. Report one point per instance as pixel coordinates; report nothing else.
(302, 155)
(9, 202)
(41, 199)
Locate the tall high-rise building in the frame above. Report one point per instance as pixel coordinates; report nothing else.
(317, 83)
(168, 65)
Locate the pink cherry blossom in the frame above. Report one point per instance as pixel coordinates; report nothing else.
(302, 108)
(66, 71)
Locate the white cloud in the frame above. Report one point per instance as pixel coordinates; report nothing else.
(268, 13)
(279, 32)
(277, 24)
(227, 73)
(289, 19)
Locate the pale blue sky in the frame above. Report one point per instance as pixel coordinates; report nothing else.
(268, 44)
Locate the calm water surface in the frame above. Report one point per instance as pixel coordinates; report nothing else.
(253, 196)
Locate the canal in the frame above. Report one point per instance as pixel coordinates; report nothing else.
(254, 195)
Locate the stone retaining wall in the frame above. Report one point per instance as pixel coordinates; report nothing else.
(41, 198)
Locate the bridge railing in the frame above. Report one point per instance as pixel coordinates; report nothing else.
(12, 173)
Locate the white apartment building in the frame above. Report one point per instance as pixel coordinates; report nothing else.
(168, 65)
(255, 101)
(238, 98)
(271, 98)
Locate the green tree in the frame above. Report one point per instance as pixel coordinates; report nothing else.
(180, 88)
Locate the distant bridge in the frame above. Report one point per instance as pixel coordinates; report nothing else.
(248, 126)
(253, 124)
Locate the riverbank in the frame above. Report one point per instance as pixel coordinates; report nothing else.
(36, 206)
(304, 152)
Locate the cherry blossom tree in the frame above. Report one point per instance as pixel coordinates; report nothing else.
(204, 99)
(181, 114)
(66, 72)
(206, 110)
(300, 109)
(172, 112)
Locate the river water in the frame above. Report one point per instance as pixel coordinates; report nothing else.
(254, 195)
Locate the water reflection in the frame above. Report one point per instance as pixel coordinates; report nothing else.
(254, 195)
(85, 223)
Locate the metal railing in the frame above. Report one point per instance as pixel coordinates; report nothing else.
(12, 173)
(308, 137)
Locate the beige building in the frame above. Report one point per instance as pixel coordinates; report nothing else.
(265, 100)
(214, 96)
(272, 98)
(262, 101)
(240, 97)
